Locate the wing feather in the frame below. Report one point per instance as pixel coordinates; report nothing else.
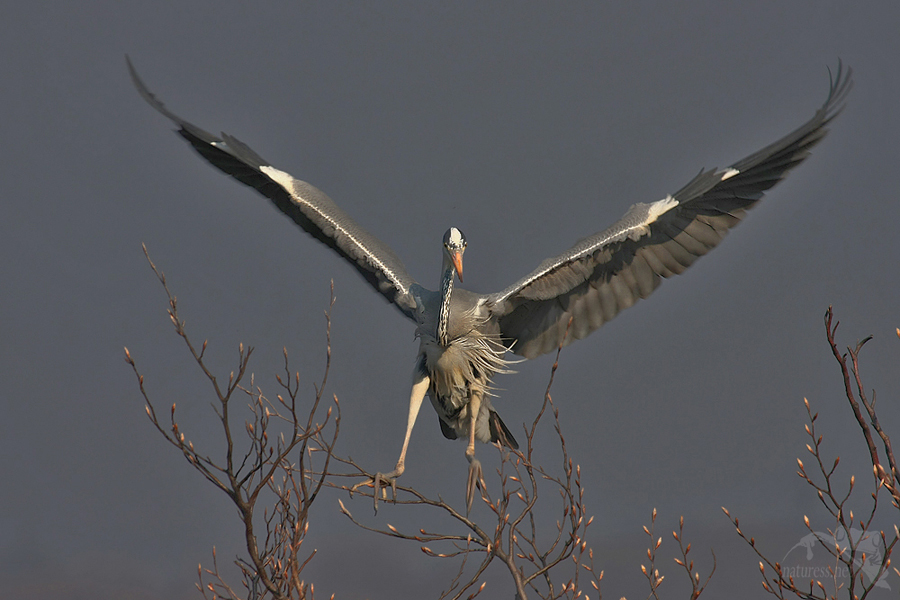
(608, 272)
(307, 206)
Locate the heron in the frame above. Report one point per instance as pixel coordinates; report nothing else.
(465, 337)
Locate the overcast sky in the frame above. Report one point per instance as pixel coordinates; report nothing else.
(528, 125)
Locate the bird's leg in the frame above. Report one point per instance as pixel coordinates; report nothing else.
(419, 389)
(421, 381)
(475, 474)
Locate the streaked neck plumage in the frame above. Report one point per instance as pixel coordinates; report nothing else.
(454, 246)
(443, 326)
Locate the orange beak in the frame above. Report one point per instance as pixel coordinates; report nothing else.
(456, 258)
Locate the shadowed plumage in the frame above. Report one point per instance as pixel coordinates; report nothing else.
(465, 336)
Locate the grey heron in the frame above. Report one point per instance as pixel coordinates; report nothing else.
(465, 336)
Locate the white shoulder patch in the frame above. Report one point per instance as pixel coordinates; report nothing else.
(729, 173)
(659, 208)
(280, 177)
(653, 212)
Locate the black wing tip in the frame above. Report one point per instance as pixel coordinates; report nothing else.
(142, 88)
(814, 130)
(195, 135)
(840, 85)
(150, 97)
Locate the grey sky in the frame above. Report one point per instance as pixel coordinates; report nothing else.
(528, 126)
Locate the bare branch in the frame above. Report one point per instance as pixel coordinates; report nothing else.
(282, 439)
(850, 537)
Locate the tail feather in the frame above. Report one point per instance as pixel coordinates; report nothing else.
(448, 431)
(501, 433)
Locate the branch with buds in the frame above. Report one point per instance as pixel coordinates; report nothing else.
(511, 537)
(277, 468)
(845, 540)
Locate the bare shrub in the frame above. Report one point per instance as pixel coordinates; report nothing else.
(277, 469)
(849, 539)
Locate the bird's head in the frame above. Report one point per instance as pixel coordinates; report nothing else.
(454, 247)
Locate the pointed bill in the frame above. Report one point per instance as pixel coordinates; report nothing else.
(456, 259)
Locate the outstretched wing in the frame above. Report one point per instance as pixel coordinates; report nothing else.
(611, 270)
(310, 208)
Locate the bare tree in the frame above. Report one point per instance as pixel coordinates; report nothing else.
(851, 539)
(276, 469)
(285, 458)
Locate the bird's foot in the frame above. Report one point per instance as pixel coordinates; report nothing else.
(475, 479)
(381, 482)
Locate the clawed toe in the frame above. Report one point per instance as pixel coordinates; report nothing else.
(475, 479)
(380, 482)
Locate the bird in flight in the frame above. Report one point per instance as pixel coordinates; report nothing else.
(464, 337)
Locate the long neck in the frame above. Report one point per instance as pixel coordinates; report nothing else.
(443, 327)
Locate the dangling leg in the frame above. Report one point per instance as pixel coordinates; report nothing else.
(475, 474)
(421, 381)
